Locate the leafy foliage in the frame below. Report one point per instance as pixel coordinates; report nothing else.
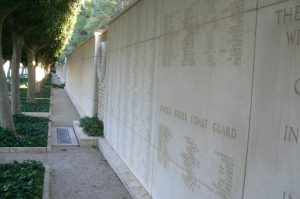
(94, 15)
(92, 126)
(58, 85)
(7, 139)
(45, 91)
(40, 105)
(23, 80)
(21, 180)
(32, 132)
(63, 19)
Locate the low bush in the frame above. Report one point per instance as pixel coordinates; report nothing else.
(23, 92)
(45, 91)
(21, 180)
(40, 105)
(7, 138)
(92, 126)
(23, 80)
(58, 85)
(32, 132)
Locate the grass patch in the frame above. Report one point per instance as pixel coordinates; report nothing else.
(92, 126)
(32, 132)
(21, 180)
(40, 105)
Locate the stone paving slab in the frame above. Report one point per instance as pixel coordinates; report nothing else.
(63, 111)
(76, 173)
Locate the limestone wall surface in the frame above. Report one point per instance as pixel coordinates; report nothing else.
(60, 68)
(203, 97)
(81, 78)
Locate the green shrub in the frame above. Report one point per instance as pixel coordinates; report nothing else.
(23, 80)
(92, 126)
(23, 92)
(7, 138)
(32, 132)
(40, 105)
(58, 85)
(21, 180)
(45, 91)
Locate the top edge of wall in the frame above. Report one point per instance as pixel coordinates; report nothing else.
(103, 37)
(87, 40)
(123, 11)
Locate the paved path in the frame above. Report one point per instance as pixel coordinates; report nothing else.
(76, 173)
(63, 111)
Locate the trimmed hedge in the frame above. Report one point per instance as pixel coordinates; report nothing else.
(92, 126)
(45, 91)
(21, 180)
(40, 105)
(32, 132)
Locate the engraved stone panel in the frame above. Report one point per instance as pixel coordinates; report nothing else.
(130, 92)
(203, 107)
(139, 88)
(274, 159)
(262, 3)
(178, 14)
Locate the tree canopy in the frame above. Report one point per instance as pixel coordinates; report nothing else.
(94, 15)
(44, 27)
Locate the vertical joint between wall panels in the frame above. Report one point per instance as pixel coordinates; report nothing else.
(251, 101)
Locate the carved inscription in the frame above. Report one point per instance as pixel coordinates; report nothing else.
(236, 40)
(289, 15)
(199, 121)
(211, 8)
(211, 51)
(191, 164)
(225, 130)
(164, 137)
(237, 6)
(189, 39)
(287, 196)
(291, 134)
(297, 86)
(169, 53)
(226, 168)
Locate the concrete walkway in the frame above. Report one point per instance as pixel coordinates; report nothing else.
(76, 173)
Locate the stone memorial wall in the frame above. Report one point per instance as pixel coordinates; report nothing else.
(203, 96)
(81, 78)
(274, 145)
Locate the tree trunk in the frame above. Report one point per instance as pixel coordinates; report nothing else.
(6, 119)
(18, 42)
(31, 59)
